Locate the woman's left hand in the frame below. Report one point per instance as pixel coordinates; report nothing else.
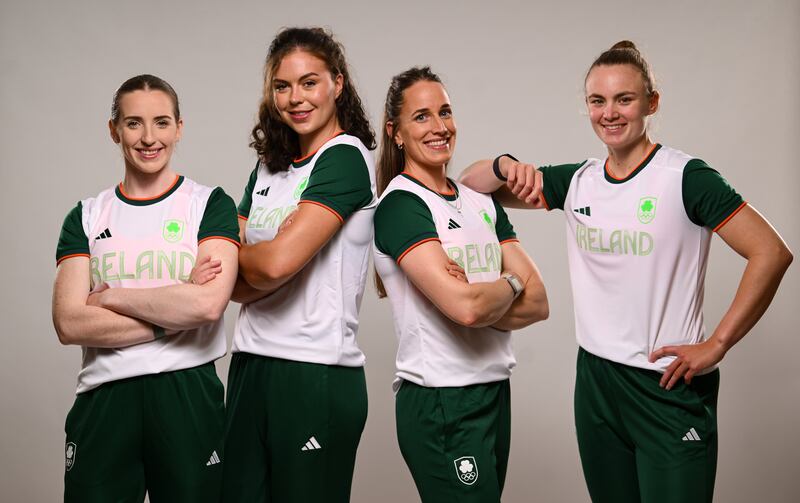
(690, 359)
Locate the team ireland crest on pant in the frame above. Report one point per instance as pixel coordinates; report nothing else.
(173, 231)
(466, 469)
(71, 450)
(646, 211)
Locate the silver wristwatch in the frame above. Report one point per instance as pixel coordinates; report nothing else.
(515, 284)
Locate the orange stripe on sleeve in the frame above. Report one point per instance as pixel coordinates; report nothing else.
(242, 217)
(65, 257)
(509, 240)
(544, 200)
(402, 255)
(734, 212)
(341, 220)
(238, 244)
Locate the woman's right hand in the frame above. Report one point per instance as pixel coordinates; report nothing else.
(455, 270)
(205, 270)
(524, 181)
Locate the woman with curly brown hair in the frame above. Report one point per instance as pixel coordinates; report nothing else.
(297, 398)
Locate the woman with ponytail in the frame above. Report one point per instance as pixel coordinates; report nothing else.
(639, 226)
(452, 321)
(297, 398)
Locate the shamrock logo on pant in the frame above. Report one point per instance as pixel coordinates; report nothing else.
(466, 469)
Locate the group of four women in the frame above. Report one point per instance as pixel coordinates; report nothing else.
(146, 268)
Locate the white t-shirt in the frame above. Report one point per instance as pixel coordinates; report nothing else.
(433, 350)
(313, 317)
(148, 243)
(638, 250)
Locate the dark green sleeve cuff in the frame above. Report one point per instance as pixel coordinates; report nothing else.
(556, 183)
(219, 219)
(708, 199)
(247, 196)
(502, 226)
(340, 181)
(73, 240)
(402, 221)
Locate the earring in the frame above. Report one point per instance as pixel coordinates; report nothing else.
(400, 146)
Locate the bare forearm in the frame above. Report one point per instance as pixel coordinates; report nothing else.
(757, 288)
(480, 177)
(178, 307)
(480, 304)
(531, 306)
(244, 293)
(96, 327)
(264, 267)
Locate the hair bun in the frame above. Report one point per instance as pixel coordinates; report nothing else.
(624, 44)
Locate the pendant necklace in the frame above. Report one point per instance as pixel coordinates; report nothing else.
(456, 205)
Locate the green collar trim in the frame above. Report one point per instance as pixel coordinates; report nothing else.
(150, 200)
(611, 179)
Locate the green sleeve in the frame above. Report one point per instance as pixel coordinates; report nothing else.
(340, 181)
(247, 197)
(707, 197)
(401, 221)
(219, 219)
(556, 183)
(73, 240)
(502, 225)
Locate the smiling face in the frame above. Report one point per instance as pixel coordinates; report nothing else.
(426, 128)
(619, 105)
(304, 93)
(146, 130)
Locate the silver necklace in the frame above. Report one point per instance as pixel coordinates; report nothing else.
(457, 205)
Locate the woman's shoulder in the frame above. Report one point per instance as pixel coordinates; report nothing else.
(343, 140)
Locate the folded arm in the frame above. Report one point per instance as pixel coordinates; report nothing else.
(531, 306)
(78, 323)
(268, 265)
(471, 305)
(183, 306)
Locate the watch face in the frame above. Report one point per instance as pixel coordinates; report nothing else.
(515, 283)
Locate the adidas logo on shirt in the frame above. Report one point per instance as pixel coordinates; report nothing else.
(586, 210)
(311, 445)
(214, 459)
(691, 436)
(452, 224)
(263, 192)
(105, 234)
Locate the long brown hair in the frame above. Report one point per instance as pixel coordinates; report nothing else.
(275, 142)
(391, 159)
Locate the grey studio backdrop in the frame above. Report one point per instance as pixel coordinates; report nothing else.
(729, 72)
